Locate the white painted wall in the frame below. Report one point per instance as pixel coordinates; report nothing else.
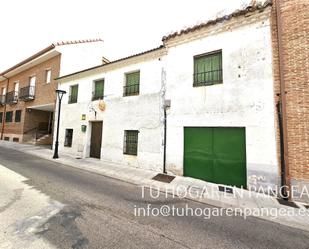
(245, 99)
(122, 113)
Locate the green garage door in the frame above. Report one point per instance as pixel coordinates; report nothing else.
(216, 154)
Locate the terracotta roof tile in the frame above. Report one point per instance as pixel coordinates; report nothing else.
(61, 43)
(45, 50)
(253, 6)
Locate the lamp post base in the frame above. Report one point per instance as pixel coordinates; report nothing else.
(56, 150)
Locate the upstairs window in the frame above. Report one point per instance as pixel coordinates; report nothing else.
(47, 75)
(130, 142)
(1, 117)
(68, 137)
(73, 94)
(8, 117)
(16, 88)
(208, 69)
(17, 116)
(98, 92)
(132, 84)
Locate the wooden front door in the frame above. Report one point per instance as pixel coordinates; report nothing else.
(96, 139)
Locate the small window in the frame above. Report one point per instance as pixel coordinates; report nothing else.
(73, 94)
(68, 137)
(8, 117)
(48, 76)
(17, 115)
(208, 69)
(98, 92)
(1, 117)
(130, 142)
(32, 80)
(15, 139)
(7, 138)
(132, 84)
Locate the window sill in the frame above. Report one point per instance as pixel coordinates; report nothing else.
(132, 94)
(207, 84)
(127, 154)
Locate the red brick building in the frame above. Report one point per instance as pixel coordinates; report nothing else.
(290, 30)
(27, 90)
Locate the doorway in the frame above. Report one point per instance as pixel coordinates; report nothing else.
(96, 139)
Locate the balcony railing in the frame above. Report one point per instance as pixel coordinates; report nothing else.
(27, 93)
(12, 97)
(207, 78)
(2, 99)
(131, 90)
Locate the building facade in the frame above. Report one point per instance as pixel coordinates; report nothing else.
(27, 89)
(290, 42)
(112, 112)
(215, 84)
(221, 123)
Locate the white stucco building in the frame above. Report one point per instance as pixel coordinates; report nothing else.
(124, 109)
(221, 121)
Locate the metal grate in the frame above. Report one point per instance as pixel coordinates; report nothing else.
(130, 142)
(207, 78)
(98, 90)
(12, 97)
(131, 90)
(68, 137)
(164, 178)
(27, 93)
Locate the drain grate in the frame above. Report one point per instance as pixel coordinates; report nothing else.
(287, 203)
(163, 178)
(225, 189)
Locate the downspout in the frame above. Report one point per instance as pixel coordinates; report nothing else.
(164, 105)
(164, 142)
(4, 111)
(281, 108)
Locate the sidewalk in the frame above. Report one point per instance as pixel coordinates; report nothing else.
(185, 187)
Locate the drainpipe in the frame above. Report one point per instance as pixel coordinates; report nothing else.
(4, 111)
(164, 142)
(282, 113)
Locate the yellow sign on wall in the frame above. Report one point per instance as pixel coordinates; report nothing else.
(83, 116)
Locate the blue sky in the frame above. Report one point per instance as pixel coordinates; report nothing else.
(126, 27)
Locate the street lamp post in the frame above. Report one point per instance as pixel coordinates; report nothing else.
(60, 94)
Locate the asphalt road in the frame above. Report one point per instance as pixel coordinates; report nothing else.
(99, 213)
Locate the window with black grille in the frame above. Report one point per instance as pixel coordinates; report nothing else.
(208, 69)
(98, 92)
(132, 84)
(17, 115)
(73, 94)
(8, 117)
(68, 137)
(130, 142)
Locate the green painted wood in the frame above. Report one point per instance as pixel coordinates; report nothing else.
(216, 154)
